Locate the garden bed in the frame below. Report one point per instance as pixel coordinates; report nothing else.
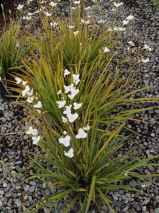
(16, 194)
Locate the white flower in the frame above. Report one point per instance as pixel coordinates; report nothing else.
(85, 22)
(74, 92)
(118, 4)
(32, 131)
(66, 72)
(87, 8)
(87, 127)
(38, 110)
(71, 26)
(68, 109)
(27, 18)
(147, 47)
(68, 88)
(76, 2)
(75, 33)
(101, 21)
(64, 120)
(77, 106)
(130, 17)
(76, 79)
(61, 103)
(65, 141)
(36, 139)
(18, 80)
(131, 43)
(126, 174)
(106, 50)
(121, 29)
(48, 14)
(30, 99)
(113, 9)
(26, 90)
(81, 134)
(143, 186)
(53, 4)
(38, 105)
(30, 14)
(125, 22)
(53, 24)
(59, 92)
(69, 153)
(20, 6)
(72, 117)
(29, 1)
(24, 82)
(145, 60)
(30, 93)
(65, 133)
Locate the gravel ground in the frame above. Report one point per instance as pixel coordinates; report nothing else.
(15, 193)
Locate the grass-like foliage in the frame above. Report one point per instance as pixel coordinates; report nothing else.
(79, 108)
(11, 49)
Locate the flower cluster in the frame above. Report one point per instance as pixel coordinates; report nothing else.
(29, 92)
(69, 112)
(34, 134)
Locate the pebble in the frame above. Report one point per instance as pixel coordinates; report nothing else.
(32, 188)
(18, 202)
(150, 168)
(115, 197)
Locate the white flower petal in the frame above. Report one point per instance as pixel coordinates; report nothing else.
(118, 4)
(70, 153)
(53, 4)
(66, 72)
(64, 120)
(130, 17)
(65, 141)
(18, 80)
(106, 50)
(87, 128)
(38, 105)
(36, 139)
(75, 33)
(76, 105)
(61, 103)
(125, 22)
(81, 134)
(72, 117)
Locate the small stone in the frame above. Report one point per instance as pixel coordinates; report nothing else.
(138, 208)
(115, 197)
(126, 208)
(148, 184)
(26, 188)
(144, 208)
(121, 192)
(149, 155)
(25, 137)
(5, 185)
(153, 134)
(157, 171)
(18, 162)
(48, 192)
(32, 188)
(18, 187)
(18, 202)
(150, 168)
(9, 203)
